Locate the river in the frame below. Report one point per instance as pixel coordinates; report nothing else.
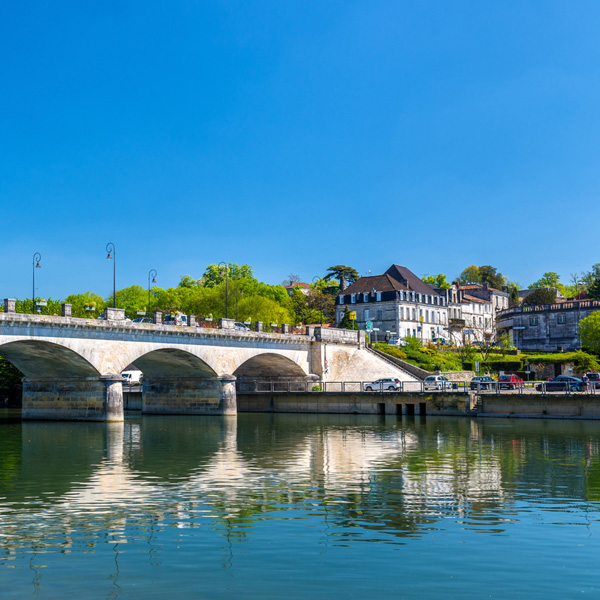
(265, 506)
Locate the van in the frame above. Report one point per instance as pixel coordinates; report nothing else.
(132, 377)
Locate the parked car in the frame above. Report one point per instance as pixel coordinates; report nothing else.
(510, 382)
(391, 384)
(143, 320)
(483, 382)
(241, 327)
(132, 377)
(175, 319)
(438, 382)
(562, 383)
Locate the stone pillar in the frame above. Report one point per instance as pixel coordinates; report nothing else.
(226, 323)
(189, 396)
(191, 320)
(285, 328)
(74, 398)
(65, 310)
(9, 305)
(157, 318)
(258, 326)
(114, 314)
(361, 339)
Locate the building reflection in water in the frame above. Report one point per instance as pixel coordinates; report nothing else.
(74, 486)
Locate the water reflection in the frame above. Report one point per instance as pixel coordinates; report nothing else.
(70, 487)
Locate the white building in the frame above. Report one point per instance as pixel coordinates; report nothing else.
(397, 303)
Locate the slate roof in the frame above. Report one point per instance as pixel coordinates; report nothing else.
(396, 278)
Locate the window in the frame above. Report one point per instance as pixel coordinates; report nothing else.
(414, 315)
(401, 313)
(366, 314)
(341, 299)
(378, 296)
(353, 298)
(365, 297)
(427, 316)
(420, 298)
(379, 315)
(533, 320)
(562, 319)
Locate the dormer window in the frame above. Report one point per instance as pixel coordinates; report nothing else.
(365, 297)
(353, 298)
(378, 295)
(341, 299)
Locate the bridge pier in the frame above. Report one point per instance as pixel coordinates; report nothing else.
(189, 396)
(77, 398)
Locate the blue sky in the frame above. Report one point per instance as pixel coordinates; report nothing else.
(296, 135)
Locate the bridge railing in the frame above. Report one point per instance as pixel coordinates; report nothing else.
(259, 386)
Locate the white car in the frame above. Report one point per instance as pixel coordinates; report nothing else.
(390, 384)
(438, 382)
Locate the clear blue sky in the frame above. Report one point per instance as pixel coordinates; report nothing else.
(294, 136)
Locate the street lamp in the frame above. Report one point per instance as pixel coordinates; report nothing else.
(151, 274)
(110, 247)
(36, 265)
(224, 264)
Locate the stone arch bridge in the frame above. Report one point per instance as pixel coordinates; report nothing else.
(72, 366)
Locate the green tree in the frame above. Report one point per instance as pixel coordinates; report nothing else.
(589, 332)
(187, 281)
(483, 274)
(88, 305)
(133, 299)
(439, 281)
(549, 279)
(347, 322)
(540, 297)
(344, 274)
(215, 274)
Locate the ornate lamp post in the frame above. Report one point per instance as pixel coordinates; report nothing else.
(151, 275)
(36, 265)
(110, 247)
(224, 264)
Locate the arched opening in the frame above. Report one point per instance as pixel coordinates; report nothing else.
(37, 359)
(171, 362)
(40, 359)
(270, 372)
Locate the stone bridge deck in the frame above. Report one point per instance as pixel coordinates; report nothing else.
(72, 366)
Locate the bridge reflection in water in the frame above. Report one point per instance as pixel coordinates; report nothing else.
(67, 490)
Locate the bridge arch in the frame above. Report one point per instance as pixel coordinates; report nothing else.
(269, 365)
(41, 359)
(173, 362)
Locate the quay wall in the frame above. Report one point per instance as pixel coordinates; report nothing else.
(389, 403)
(540, 406)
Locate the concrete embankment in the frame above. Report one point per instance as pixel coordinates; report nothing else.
(388, 403)
(560, 406)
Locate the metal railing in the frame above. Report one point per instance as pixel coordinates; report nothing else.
(411, 387)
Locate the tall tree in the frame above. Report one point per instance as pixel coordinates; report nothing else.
(344, 274)
(589, 332)
(439, 281)
(483, 274)
(540, 296)
(549, 279)
(215, 274)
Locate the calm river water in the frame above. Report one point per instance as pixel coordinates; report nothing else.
(300, 507)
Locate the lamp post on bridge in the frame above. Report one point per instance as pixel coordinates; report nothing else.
(151, 274)
(110, 247)
(36, 265)
(226, 269)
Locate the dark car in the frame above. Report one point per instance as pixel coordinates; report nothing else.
(485, 382)
(143, 320)
(594, 380)
(509, 382)
(562, 383)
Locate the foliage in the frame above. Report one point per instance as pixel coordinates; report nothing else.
(53, 307)
(347, 322)
(439, 281)
(483, 274)
(133, 299)
(344, 274)
(548, 280)
(11, 387)
(540, 297)
(585, 362)
(412, 343)
(215, 274)
(95, 305)
(187, 281)
(589, 332)
(430, 358)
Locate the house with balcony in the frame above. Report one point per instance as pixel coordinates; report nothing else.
(397, 304)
